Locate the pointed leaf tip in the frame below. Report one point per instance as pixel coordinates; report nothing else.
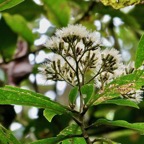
(140, 53)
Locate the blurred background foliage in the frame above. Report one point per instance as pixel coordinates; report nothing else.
(24, 27)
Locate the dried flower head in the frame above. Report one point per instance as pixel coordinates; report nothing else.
(129, 68)
(111, 67)
(77, 51)
(80, 57)
(72, 30)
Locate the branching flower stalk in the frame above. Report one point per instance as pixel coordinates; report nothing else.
(80, 57)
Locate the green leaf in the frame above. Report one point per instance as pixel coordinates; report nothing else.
(58, 11)
(6, 4)
(14, 95)
(137, 78)
(72, 129)
(120, 3)
(73, 95)
(87, 91)
(52, 140)
(107, 95)
(121, 123)
(6, 137)
(8, 41)
(69, 132)
(19, 25)
(49, 114)
(122, 102)
(95, 98)
(28, 9)
(74, 141)
(140, 53)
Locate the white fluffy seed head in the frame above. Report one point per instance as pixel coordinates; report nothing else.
(77, 30)
(77, 52)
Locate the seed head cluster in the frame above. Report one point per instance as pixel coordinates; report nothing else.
(79, 57)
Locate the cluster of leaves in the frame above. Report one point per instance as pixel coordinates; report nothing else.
(15, 26)
(13, 95)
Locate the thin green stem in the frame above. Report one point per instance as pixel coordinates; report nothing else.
(78, 117)
(66, 80)
(83, 54)
(79, 87)
(93, 124)
(72, 45)
(68, 63)
(64, 59)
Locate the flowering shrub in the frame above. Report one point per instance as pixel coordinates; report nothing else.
(97, 75)
(78, 52)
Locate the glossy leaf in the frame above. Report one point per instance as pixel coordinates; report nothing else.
(120, 3)
(58, 11)
(61, 139)
(72, 129)
(73, 95)
(28, 9)
(6, 4)
(68, 133)
(136, 78)
(122, 102)
(140, 53)
(95, 98)
(87, 91)
(52, 140)
(49, 114)
(74, 141)
(100, 98)
(6, 137)
(19, 25)
(14, 95)
(121, 123)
